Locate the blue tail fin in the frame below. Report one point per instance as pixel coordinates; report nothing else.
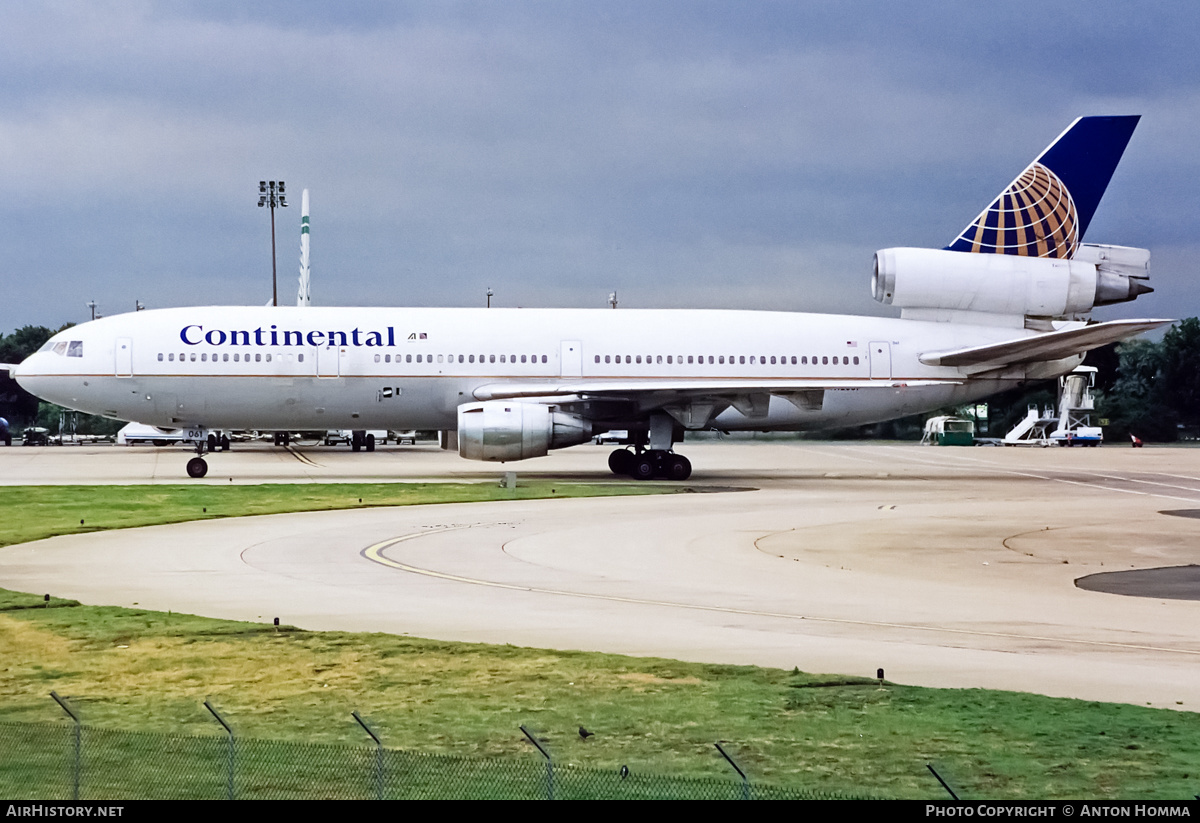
(1047, 209)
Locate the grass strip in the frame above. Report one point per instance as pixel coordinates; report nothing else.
(150, 671)
(36, 512)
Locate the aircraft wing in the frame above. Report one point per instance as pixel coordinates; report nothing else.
(683, 388)
(1053, 345)
(8, 367)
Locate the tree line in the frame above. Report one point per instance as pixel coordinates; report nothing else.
(1152, 390)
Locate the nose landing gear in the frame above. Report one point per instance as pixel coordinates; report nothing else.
(197, 467)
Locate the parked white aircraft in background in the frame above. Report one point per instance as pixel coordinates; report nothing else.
(1007, 302)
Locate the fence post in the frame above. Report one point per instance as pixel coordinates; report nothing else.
(378, 755)
(78, 754)
(229, 750)
(945, 785)
(549, 763)
(738, 769)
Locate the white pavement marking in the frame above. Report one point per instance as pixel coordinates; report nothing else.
(1050, 477)
(377, 554)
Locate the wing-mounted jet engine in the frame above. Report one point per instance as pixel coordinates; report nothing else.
(499, 431)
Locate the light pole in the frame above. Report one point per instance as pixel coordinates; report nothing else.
(91, 304)
(489, 297)
(270, 193)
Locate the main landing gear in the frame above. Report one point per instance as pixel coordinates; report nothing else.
(360, 440)
(642, 463)
(649, 464)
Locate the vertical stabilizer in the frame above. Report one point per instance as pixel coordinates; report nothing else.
(1047, 209)
(304, 296)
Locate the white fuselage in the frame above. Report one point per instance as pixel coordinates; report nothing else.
(379, 368)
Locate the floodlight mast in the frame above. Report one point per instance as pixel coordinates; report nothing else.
(270, 193)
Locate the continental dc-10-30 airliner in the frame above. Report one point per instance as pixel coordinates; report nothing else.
(1007, 301)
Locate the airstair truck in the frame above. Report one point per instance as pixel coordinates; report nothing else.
(1070, 424)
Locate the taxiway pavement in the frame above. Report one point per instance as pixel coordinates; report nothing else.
(944, 566)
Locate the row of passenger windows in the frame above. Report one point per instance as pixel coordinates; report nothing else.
(738, 359)
(464, 358)
(649, 359)
(259, 357)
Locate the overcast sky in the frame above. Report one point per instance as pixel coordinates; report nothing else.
(684, 154)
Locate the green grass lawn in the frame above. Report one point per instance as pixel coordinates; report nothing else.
(35, 512)
(151, 671)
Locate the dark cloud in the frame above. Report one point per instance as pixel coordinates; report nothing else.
(683, 153)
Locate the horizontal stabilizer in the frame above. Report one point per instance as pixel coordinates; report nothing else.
(8, 367)
(690, 388)
(1053, 345)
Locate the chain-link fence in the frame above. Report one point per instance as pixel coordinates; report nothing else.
(51, 761)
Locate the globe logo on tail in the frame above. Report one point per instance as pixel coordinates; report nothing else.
(1033, 217)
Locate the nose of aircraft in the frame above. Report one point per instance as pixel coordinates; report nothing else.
(15, 369)
(21, 372)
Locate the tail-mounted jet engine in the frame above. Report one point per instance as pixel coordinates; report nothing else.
(1010, 284)
(498, 430)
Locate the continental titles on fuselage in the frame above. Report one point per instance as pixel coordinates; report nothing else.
(195, 335)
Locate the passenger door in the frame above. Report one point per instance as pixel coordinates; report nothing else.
(124, 365)
(881, 360)
(571, 358)
(329, 361)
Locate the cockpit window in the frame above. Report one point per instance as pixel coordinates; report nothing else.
(72, 348)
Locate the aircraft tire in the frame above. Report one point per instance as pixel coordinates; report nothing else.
(678, 467)
(197, 467)
(370, 442)
(212, 442)
(620, 461)
(643, 467)
(224, 442)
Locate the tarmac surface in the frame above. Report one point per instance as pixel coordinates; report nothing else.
(951, 567)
